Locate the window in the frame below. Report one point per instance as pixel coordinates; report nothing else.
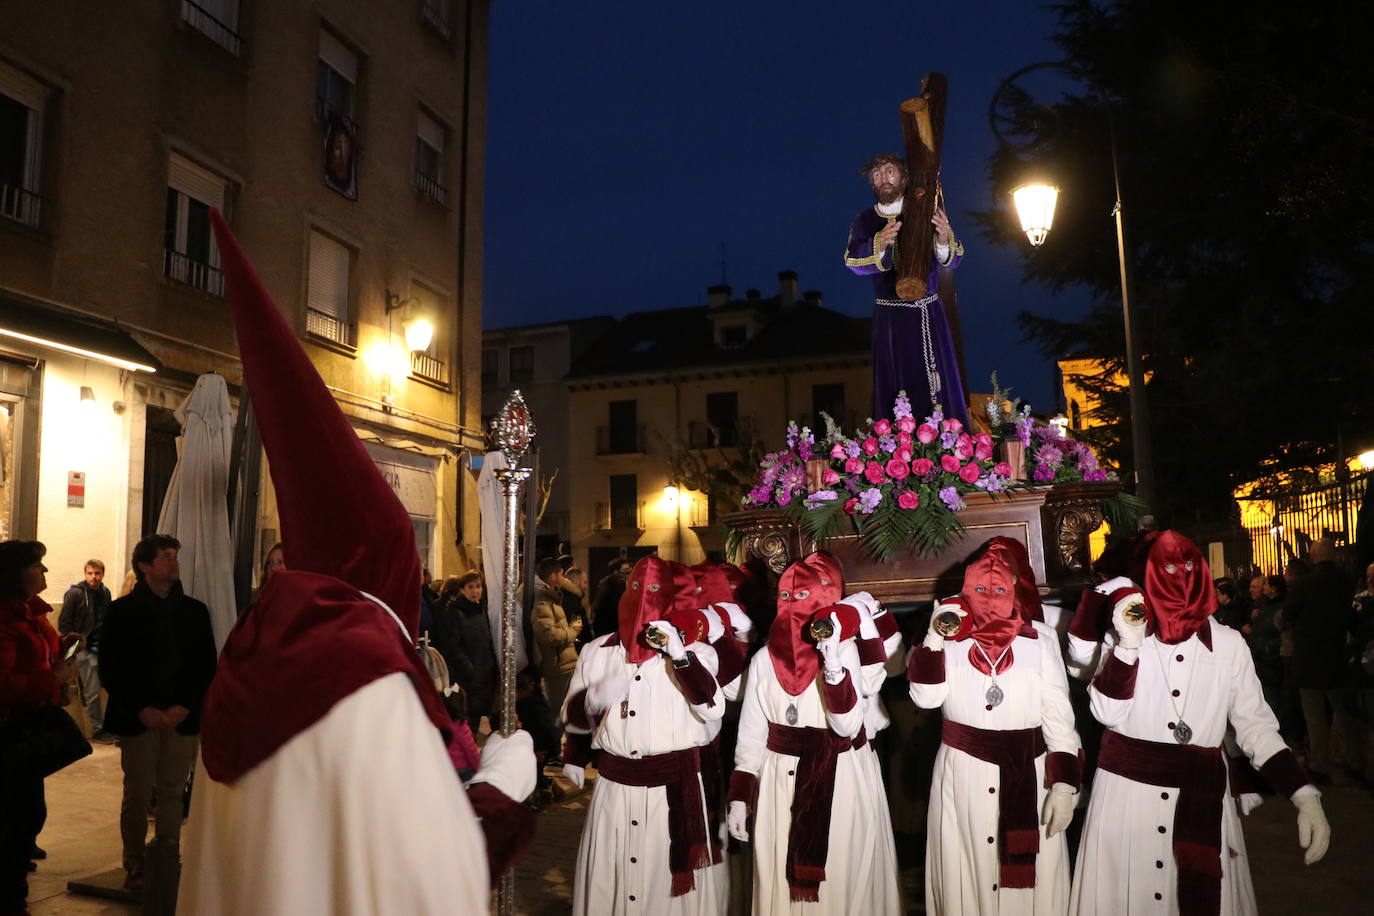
(326, 299)
(624, 501)
(435, 13)
(722, 413)
(622, 432)
(827, 399)
(491, 366)
(429, 159)
(22, 103)
(336, 81)
(429, 363)
(190, 255)
(218, 20)
(521, 364)
(733, 335)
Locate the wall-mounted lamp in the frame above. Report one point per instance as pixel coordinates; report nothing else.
(419, 330)
(670, 495)
(1061, 425)
(87, 397)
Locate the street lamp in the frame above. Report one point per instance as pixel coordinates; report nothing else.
(1035, 207)
(418, 330)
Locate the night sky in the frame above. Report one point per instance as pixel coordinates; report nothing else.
(627, 141)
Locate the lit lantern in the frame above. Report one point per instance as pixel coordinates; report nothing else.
(419, 333)
(1035, 206)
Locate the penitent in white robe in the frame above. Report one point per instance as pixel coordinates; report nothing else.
(622, 861)
(962, 867)
(1123, 858)
(361, 814)
(861, 859)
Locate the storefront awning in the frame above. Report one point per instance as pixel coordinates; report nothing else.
(33, 322)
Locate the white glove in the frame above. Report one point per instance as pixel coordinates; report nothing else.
(738, 619)
(508, 764)
(934, 641)
(830, 654)
(576, 775)
(1128, 635)
(715, 627)
(867, 606)
(737, 821)
(1058, 808)
(673, 648)
(1314, 833)
(1249, 801)
(1111, 585)
(604, 694)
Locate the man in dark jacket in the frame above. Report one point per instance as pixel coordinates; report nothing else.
(157, 658)
(83, 610)
(1318, 607)
(606, 610)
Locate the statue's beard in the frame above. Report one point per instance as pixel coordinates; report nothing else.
(888, 193)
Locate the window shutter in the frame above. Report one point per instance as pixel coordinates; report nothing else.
(328, 284)
(337, 55)
(430, 131)
(190, 179)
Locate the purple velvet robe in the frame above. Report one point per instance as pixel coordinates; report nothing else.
(899, 360)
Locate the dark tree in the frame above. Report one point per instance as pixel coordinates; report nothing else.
(1246, 139)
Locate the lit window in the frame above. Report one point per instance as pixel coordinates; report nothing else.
(22, 103)
(190, 255)
(429, 159)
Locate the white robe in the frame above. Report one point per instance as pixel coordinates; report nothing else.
(962, 867)
(622, 861)
(361, 814)
(1116, 872)
(861, 857)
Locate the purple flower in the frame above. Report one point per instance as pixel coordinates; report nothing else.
(821, 496)
(887, 444)
(770, 475)
(901, 407)
(869, 499)
(951, 498)
(759, 496)
(1095, 474)
(852, 449)
(947, 440)
(935, 417)
(1043, 472)
(794, 479)
(992, 483)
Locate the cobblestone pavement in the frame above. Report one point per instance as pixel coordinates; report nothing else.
(82, 839)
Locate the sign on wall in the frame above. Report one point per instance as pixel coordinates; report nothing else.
(76, 489)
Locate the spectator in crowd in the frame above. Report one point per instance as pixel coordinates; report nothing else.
(157, 658)
(576, 598)
(554, 634)
(462, 634)
(1291, 723)
(31, 677)
(83, 611)
(1262, 635)
(275, 560)
(606, 608)
(1318, 608)
(1231, 610)
(1362, 664)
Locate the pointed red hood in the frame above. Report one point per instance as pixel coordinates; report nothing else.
(990, 591)
(652, 592)
(713, 585)
(1179, 588)
(1027, 595)
(803, 589)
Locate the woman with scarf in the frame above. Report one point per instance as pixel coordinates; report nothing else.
(1008, 763)
(801, 765)
(1160, 830)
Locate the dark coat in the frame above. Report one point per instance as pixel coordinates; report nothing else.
(606, 608)
(83, 610)
(157, 652)
(1318, 607)
(462, 634)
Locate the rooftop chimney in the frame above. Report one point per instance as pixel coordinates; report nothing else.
(812, 297)
(717, 295)
(787, 288)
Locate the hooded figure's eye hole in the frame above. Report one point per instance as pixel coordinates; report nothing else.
(784, 595)
(634, 585)
(1001, 589)
(1170, 568)
(654, 586)
(980, 588)
(824, 581)
(1188, 565)
(803, 594)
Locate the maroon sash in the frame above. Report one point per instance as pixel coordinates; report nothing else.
(1199, 773)
(1014, 751)
(712, 788)
(677, 772)
(808, 839)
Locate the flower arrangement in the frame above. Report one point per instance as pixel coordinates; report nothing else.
(1056, 459)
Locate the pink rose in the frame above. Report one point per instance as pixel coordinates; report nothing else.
(851, 506)
(927, 433)
(870, 446)
(951, 425)
(983, 439)
(907, 424)
(829, 477)
(904, 439)
(921, 467)
(963, 447)
(968, 473)
(882, 427)
(908, 500)
(949, 463)
(873, 473)
(837, 451)
(853, 465)
(982, 452)
(903, 453)
(1002, 469)
(897, 469)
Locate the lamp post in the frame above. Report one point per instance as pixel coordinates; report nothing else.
(1035, 202)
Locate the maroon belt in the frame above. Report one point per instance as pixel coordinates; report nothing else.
(1014, 752)
(1199, 773)
(678, 772)
(808, 839)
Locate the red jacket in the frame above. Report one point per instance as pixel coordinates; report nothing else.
(28, 648)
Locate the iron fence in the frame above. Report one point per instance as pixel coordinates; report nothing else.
(1301, 516)
(185, 269)
(22, 205)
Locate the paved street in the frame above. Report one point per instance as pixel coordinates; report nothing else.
(82, 839)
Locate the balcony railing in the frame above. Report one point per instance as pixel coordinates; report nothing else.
(435, 14)
(185, 269)
(204, 22)
(429, 368)
(431, 189)
(618, 517)
(620, 440)
(708, 435)
(22, 205)
(318, 324)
